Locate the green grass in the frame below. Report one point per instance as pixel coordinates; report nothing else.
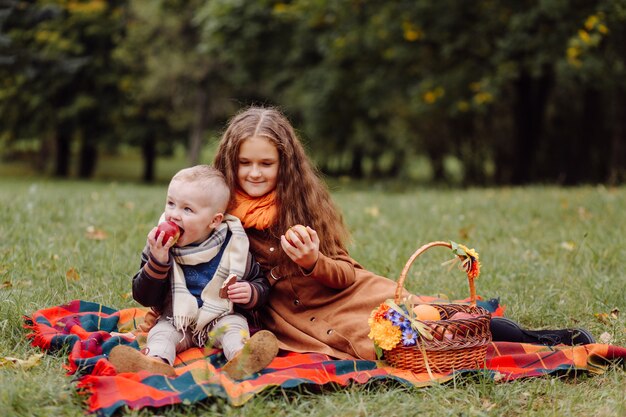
(554, 256)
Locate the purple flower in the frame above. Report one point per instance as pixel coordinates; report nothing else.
(397, 319)
(409, 336)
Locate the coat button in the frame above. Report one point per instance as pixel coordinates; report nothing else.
(312, 318)
(272, 249)
(329, 332)
(296, 302)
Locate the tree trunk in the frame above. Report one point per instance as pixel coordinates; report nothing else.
(529, 112)
(88, 156)
(148, 151)
(199, 126)
(356, 167)
(580, 147)
(617, 163)
(62, 157)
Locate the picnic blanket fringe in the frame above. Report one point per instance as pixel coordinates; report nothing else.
(91, 330)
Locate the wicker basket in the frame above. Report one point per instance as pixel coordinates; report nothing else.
(456, 344)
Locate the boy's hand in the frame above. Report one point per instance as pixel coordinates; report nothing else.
(240, 292)
(159, 250)
(302, 245)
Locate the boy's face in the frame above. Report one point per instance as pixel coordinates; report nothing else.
(190, 206)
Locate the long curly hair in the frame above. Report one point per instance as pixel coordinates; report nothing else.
(301, 195)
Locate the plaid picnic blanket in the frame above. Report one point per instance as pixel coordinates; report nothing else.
(91, 330)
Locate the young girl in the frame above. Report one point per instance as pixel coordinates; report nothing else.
(321, 298)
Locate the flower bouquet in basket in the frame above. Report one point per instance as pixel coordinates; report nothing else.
(433, 337)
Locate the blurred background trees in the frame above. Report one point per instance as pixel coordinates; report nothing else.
(508, 92)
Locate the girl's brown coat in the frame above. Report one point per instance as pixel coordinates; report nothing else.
(325, 311)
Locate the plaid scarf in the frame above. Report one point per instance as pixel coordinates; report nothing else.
(233, 262)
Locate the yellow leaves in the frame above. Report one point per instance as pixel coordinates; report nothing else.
(463, 106)
(586, 38)
(433, 95)
(609, 318)
(87, 7)
(483, 98)
(281, 8)
(411, 32)
(94, 233)
(606, 318)
(17, 284)
(72, 275)
(373, 211)
(32, 361)
(595, 22)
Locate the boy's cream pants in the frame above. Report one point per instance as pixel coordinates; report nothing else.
(165, 341)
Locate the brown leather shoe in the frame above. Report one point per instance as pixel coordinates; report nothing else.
(126, 359)
(256, 354)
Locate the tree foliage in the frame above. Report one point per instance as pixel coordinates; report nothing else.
(517, 91)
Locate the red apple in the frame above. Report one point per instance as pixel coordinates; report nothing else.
(169, 229)
(459, 315)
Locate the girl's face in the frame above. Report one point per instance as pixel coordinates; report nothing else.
(257, 169)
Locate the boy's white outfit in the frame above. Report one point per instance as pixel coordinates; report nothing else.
(182, 324)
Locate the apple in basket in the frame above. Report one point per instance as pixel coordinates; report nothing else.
(459, 315)
(426, 312)
(169, 230)
(440, 332)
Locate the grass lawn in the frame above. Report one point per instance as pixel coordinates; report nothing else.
(555, 257)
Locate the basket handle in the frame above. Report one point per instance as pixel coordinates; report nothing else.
(417, 253)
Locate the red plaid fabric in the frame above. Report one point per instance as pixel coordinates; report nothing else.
(93, 330)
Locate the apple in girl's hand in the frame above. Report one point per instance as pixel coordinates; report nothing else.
(170, 229)
(292, 236)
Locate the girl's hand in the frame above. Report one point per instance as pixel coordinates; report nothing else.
(302, 245)
(240, 292)
(159, 250)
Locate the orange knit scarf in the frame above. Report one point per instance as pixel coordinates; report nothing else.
(255, 212)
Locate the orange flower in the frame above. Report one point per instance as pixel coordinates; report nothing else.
(379, 313)
(471, 264)
(474, 268)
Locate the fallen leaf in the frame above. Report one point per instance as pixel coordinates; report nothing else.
(605, 338)
(72, 275)
(488, 405)
(373, 211)
(602, 317)
(570, 246)
(584, 214)
(6, 284)
(33, 360)
(605, 318)
(464, 232)
(95, 234)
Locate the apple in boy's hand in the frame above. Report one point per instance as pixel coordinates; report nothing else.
(291, 235)
(170, 229)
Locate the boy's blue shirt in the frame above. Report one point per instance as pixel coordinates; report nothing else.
(198, 276)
